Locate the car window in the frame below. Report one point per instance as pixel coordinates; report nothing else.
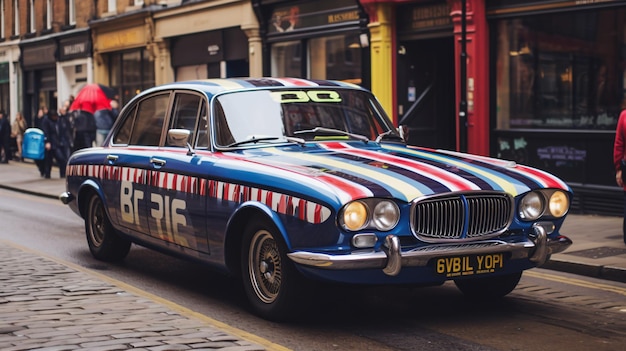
(203, 124)
(149, 120)
(185, 113)
(124, 132)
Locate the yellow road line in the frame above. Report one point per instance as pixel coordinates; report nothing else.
(577, 282)
(172, 305)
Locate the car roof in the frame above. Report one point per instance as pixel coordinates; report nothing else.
(215, 86)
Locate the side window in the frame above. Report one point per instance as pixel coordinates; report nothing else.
(185, 114)
(149, 120)
(124, 132)
(203, 127)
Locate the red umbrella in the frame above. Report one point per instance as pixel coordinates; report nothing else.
(91, 98)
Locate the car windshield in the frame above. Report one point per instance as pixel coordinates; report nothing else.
(275, 116)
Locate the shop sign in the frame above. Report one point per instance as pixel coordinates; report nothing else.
(425, 17)
(72, 48)
(123, 39)
(41, 55)
(310, 15)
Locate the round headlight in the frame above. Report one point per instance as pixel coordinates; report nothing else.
(386, 215)
(355, 215)
(559, 204)
(531, 206)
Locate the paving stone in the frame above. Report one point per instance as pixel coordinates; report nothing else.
(49, 307)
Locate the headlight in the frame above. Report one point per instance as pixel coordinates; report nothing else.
(355, 215)
(386, 215)
(372, 213)
(558, 204)
(531, 206)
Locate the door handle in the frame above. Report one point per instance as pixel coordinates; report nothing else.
(111, 159)
(157, 161)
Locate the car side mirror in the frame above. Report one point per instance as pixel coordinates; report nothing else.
(179, 138)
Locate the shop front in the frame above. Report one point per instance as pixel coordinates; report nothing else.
(75, 66)
(10, 75)
(191, 47)
(124, 53)
(315, 40)
(559, 81)
(38, 61)
(425, 73)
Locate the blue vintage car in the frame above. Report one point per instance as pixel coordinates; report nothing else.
(284, 181)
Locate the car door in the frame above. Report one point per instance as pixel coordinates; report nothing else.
(176, 208)
(131, 163)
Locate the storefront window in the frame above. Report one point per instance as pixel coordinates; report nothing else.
(286, 59)
(561, 71)
(335, 57)
(131, 72)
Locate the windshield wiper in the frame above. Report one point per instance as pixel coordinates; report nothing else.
(255, 139)
(334, 132)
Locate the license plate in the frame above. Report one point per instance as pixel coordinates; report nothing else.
(459, 266)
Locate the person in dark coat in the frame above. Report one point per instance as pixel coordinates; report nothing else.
(57, 143)
(5, 138)
(84, 129)
(104, 122)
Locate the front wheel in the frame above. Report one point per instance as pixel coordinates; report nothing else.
(490, 287)
(104, 242)
(270, 280)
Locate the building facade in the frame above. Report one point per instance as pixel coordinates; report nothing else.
(538, 82)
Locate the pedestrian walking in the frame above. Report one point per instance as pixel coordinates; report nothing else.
(619, 158)
(17, 129)
(38, 123)
(84, 129)
(5, 138)
(57, 143)
(104, 122)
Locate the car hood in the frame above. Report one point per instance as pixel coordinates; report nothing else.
(352, 170)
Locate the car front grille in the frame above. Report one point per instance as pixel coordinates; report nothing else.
(461, 217)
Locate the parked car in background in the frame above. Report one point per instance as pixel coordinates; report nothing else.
(284, 181)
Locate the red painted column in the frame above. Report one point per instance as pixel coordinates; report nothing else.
(477, 48)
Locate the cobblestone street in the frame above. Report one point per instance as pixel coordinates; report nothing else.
(45, 305)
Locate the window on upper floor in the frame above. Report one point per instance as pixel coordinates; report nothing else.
(71, 12)
(137, 2)
(49, 14)
(2, 19)
(16, 18)
(111, 6)
(32, 24)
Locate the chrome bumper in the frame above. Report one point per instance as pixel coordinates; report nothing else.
(537, 249)
(66, 197)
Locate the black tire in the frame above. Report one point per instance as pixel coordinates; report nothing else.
(104, 242)
(488, 288)
(271, 282)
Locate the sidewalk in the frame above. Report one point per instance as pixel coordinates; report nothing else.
(55, 302)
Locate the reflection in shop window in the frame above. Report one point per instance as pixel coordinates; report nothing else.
(561, 71)
(336, 57)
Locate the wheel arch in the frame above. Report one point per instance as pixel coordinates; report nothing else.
(86, 190)
(235, 231)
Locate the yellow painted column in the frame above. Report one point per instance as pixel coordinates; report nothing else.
(382, 56)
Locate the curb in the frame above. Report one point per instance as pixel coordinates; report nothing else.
(595, 271)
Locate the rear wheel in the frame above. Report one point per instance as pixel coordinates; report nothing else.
(104, 242)
(490, 287)
(270, 280)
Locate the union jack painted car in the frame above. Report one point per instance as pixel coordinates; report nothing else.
(284, 181)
